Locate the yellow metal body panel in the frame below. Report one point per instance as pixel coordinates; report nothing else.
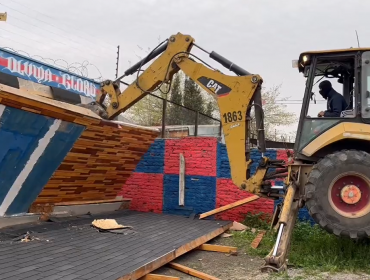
(236, 101)
(335, 51)
(344, 130)
(326, 52)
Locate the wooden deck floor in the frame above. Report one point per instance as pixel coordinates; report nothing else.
(72, 249)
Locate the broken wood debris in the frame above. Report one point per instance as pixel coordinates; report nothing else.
(217, 248)
(238, 227)
(108, 224)
(258, 239)
(229, 206)
(158, 277)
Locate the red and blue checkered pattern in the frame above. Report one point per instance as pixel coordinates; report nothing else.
(154, 186)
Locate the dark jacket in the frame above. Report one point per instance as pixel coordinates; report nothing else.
(335, 105)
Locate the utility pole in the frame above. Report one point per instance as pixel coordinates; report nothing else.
(117, 61)
(119, 84)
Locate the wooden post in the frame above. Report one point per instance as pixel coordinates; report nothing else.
(182, 181)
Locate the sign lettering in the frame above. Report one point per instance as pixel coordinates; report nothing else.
(29, 69)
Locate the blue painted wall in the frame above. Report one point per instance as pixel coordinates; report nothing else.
(153, 159)
(32, 147)
(223, 165)
(200, 194)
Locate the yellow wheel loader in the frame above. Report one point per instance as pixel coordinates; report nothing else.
(330, 173)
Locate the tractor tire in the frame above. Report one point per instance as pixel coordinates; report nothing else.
(337, 193)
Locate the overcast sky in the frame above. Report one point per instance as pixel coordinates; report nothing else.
(261, 36)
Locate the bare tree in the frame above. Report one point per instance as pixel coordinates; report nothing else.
(276, 114)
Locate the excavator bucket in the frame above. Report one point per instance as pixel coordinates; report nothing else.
(96, 108)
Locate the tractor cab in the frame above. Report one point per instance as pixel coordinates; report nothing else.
(348, 72)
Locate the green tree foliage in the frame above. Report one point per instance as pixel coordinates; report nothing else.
(148, 111)
(192, 99)
(187, 93)
(175, 112)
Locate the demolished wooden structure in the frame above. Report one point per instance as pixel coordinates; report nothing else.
(150, 242)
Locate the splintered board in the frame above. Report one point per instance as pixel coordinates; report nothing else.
(101, 159)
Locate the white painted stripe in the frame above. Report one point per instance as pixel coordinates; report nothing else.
(17, 185)
(2, 109)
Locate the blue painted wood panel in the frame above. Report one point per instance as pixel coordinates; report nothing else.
(32, 147)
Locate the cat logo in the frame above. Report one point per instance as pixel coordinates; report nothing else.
(215, 86)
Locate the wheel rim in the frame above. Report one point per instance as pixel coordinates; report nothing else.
(349, 195)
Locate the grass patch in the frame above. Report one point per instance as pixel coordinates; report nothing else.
(312, 248)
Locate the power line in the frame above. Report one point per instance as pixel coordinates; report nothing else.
(77, 51)
(75, 67)
(22, 43)
(19, 35)
(95, 42)
(59, 42)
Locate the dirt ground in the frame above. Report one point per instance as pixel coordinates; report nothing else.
(241, 267)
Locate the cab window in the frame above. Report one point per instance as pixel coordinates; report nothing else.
(337, 77)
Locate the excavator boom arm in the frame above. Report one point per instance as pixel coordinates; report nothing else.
(159, 72)
(234, 95)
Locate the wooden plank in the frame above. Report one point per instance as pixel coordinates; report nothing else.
(27, 97)
(144, 270)
(258, 239)
(182, 181)
(229, 206)
(217, 248)
(191, 271)
(158, 277)
(91, 202)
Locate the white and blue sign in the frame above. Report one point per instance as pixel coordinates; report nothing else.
(32, 70)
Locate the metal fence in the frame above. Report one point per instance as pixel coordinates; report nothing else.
(179, 121)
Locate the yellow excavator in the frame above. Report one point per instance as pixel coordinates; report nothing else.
(330, 171)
